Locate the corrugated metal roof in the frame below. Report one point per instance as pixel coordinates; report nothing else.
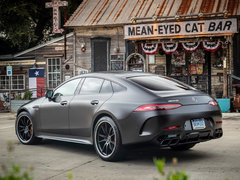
(110, 12)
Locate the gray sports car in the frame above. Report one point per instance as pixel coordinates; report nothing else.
(112, 110)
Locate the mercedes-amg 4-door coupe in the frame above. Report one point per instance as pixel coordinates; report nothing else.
(112, 110)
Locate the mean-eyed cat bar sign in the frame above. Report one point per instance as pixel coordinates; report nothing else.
(185, 28)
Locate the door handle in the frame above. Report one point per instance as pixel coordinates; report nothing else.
(36, 107)
(63, 103)
(94, 102)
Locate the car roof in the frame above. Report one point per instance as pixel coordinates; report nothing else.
(125, 74)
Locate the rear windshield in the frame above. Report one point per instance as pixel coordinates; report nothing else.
(157, 83)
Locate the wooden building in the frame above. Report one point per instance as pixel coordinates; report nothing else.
(195, 41)
(49, 56)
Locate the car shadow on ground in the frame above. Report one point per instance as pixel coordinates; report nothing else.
(144, 154)
(147, 154)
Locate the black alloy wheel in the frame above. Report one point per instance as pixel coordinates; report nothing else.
(107, 140)
(24, 129)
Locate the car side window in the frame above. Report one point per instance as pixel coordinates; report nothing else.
(91, 86)
(67, 89)
(106, 87)
(117, 87)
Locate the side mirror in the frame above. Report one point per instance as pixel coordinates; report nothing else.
(49, 94)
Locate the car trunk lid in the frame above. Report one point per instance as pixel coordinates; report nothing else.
(187, 97)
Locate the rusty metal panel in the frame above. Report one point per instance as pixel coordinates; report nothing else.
(110, 12)
(148, 11)
(184, 7)
(232, 6)
(114, 6)
(117, 15)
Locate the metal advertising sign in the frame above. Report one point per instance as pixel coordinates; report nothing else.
(216, 27)
(9, 70)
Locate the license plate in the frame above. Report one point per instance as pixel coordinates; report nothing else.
(198, 123)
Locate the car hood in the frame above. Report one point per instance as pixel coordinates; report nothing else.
(30, 104)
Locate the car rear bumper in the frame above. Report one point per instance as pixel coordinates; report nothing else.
(188, 138)
(152, 126)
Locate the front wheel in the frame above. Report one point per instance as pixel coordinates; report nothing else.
(24, 129)
(107, 140)
(183, 147)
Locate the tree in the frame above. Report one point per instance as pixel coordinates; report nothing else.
(26, 23)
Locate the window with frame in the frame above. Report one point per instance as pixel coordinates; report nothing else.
(54, 72)
(106, 87)
(91, 86)
(67, 89)
(17, 82)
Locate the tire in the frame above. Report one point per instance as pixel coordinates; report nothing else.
(183, 147)
(107, 140)
(25, 129)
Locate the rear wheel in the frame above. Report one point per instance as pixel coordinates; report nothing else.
(24, 129)
(183, 147)
(107, 140)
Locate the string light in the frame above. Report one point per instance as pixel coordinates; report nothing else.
(200, 14)
(177, 17)
(133, 19)
(225, 13)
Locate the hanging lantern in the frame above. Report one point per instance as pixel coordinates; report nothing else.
(211, 46)
(169, 48)
(149, 48)
(190, 46)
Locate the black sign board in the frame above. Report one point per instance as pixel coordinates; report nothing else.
(117, 65)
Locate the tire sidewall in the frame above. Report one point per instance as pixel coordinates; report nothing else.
(115, 155)
(22, 114)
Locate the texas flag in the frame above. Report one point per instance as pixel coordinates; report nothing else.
(36, 82)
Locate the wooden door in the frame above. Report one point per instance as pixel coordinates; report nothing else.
(100, 54)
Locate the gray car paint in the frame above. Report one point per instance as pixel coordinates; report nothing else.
(75, 121)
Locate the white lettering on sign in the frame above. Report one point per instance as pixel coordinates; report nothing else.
(217, 26)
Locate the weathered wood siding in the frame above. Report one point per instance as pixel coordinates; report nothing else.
(52, 50)
(84, 36)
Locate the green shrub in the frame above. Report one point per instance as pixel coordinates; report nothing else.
(176, 175)
(70, 176)
(27, 95)
(11, 171)
(17, 96)
(14, 173)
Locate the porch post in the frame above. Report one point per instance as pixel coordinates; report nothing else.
(225, 65)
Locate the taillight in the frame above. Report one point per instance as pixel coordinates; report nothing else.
(153, 107)
(213, 103)
(172, 127)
